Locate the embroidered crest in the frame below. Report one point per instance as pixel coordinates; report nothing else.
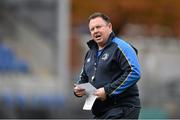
(105, 56)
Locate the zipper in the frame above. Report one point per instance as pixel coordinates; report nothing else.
(96, 64)
(95, 68)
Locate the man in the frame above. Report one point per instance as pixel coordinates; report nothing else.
(111, 65)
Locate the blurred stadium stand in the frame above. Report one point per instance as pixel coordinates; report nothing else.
(9, 61)
(28, 29)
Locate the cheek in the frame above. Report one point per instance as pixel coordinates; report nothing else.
(91, 34)
(106, 35)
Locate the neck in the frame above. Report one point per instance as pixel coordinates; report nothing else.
(101, 46)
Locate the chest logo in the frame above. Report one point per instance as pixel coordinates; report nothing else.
(88, 60)
(105, 56)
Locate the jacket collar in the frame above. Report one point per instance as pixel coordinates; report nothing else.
(92, 44)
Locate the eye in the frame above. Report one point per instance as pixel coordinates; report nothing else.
(91, 29)
(98, 27)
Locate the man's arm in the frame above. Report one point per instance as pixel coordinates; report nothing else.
(79, 92)
(128, 62)
(83, 78)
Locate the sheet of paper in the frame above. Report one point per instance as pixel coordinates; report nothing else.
(90, 97)
(89, 102)
(88, 88)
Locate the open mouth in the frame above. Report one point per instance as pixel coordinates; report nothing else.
(98, 36)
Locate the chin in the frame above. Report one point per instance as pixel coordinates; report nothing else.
(99, 42)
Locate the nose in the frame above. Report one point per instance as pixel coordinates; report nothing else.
(95, 30)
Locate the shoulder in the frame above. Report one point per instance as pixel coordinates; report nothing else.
(123, 45)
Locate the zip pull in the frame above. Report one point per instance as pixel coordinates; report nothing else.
(92, 78)
(95, 64)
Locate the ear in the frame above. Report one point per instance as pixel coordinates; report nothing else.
(110, 25)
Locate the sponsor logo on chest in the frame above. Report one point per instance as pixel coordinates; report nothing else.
(105, 56)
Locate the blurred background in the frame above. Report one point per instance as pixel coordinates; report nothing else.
(43, 44)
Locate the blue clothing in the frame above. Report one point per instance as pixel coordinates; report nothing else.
(117, 69)
(99, 52)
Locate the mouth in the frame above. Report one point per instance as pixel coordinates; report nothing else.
(98, 36)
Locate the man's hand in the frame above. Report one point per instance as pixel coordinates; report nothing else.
(79, 91)
(100, 93)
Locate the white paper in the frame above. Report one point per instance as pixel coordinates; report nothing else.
(89, 102)
(90, 97)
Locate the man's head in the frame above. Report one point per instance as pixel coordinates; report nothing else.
(100, 28)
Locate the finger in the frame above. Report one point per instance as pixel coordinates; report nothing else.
(80, 93)
(79, 89)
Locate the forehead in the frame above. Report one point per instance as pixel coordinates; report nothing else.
(96, 21)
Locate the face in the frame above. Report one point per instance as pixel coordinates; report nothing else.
(100, 30)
